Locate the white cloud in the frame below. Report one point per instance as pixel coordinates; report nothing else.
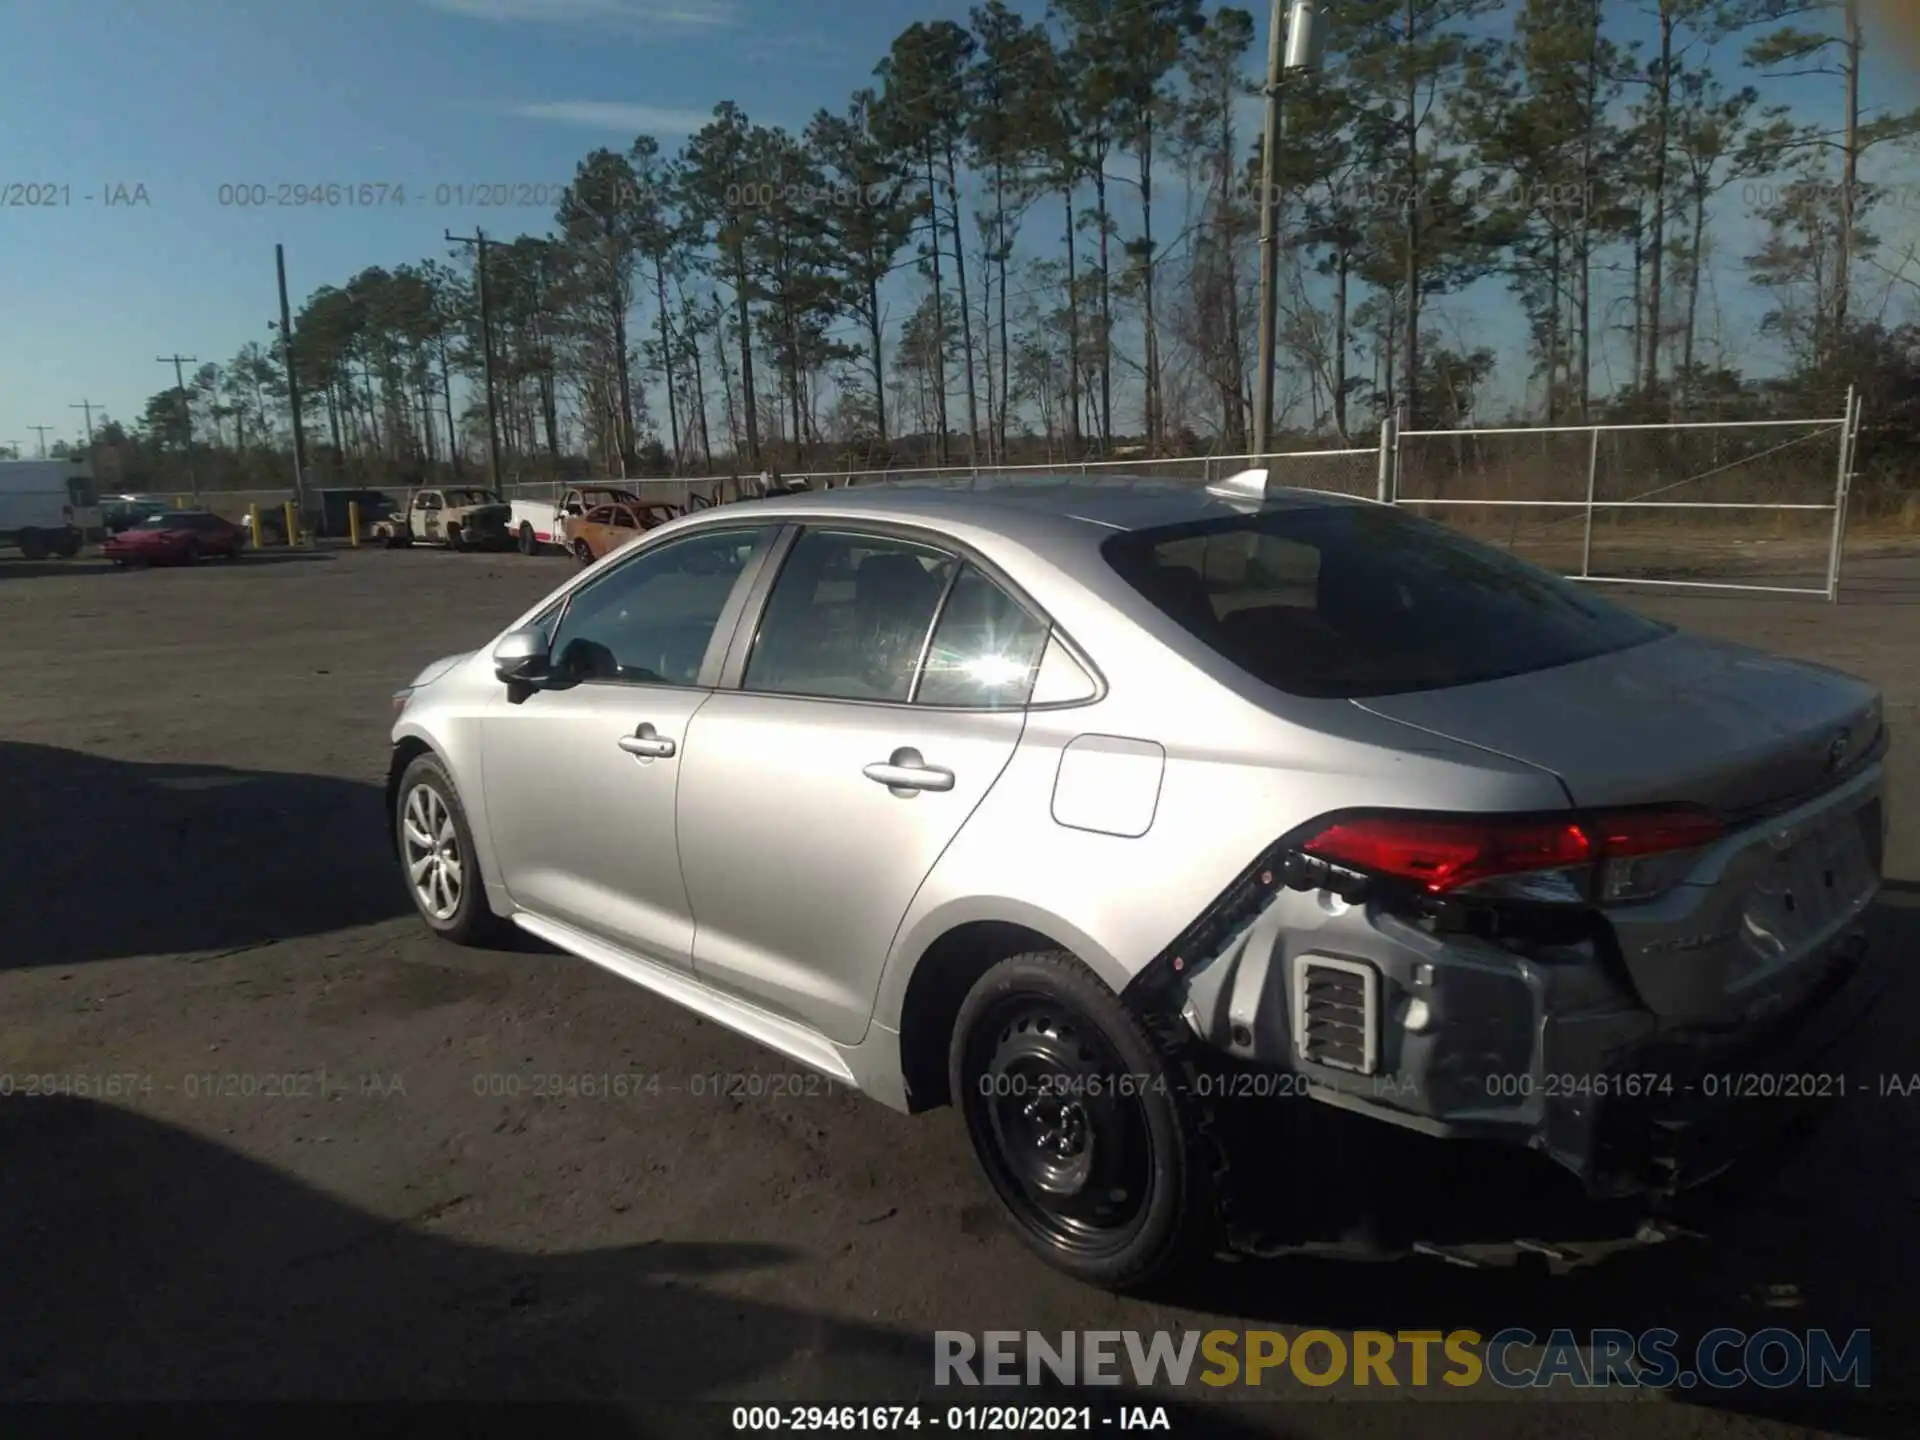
(616, 115)
(644, 15)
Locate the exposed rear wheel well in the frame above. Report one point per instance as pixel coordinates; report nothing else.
(940, 982)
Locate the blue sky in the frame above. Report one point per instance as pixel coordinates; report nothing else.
(181, 97)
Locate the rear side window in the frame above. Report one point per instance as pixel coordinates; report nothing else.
(985, 650)
(1347, 601)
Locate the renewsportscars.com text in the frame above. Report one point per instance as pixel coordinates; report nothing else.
(1721, 1359)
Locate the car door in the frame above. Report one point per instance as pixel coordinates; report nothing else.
(817, 795)
(623, 525)
(426, 514)
(592, 527)
(579, 774)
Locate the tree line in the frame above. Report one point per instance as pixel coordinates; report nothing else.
(1037, 239)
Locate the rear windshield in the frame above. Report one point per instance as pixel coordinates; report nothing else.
(1353, 600)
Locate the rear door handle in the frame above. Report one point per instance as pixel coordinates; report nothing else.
(905, 770)
(647, 743)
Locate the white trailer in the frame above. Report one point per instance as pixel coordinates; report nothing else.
(48, 507)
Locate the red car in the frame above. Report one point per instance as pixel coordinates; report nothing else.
(175, 537)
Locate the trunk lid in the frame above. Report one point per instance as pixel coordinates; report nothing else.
(1753, 928)
(1682, 719)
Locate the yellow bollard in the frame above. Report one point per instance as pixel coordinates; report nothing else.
(253, 525)
(293, 531)
(178, 503)
(353, 523)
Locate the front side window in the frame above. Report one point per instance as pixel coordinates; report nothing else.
(848, 617)
(1346, 601)
(986, 649)
(649, 621)
(623, 519)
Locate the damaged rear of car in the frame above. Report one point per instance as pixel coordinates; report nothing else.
(1612, 973)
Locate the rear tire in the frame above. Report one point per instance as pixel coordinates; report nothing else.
(68, 547)
(528, 544)
(1081, 1124)
(447, 889)
(456, 538)
(33, 545)
(193, 553)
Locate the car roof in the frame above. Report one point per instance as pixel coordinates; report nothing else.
(1021, 506)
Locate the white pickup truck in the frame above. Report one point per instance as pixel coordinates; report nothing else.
(48, 507)
(542, 524)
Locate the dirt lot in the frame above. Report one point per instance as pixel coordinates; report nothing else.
(195, 898)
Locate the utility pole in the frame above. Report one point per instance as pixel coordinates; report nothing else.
(1294, 42)
(186, 412)
(293, 387)
(479, 241)
(86, 405)
(41, 431)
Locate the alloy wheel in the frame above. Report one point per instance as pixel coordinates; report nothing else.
(435, 867)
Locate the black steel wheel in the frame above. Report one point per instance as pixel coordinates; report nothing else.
(1080, 1123)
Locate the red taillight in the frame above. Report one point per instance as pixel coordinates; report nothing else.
(1624, 833)
(1445, 854)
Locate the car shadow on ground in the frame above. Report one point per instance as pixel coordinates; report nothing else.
(144, 1261)
(1823, 1239)
(102, 858)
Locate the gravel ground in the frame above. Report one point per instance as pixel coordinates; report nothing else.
(196, 909)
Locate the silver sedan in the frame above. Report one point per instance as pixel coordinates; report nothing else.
(1077, 804)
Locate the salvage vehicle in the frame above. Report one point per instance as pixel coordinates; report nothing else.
(175, 537)
(48, 507)
(459, 517)
(605, 528)
(123, 512)
(1060, 801)
(540, 524)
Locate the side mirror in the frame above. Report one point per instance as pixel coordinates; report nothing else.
(521, 657)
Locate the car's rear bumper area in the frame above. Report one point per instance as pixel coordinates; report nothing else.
(1718, 1102)
(1545, 1044)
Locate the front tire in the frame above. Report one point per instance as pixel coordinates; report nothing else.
(69, 546)
(1081, 1123)
(34, 546)
(456, 538)
(583, 552)
(437, 860)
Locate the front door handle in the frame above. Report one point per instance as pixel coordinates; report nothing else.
(904, 772)
(647, 743)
